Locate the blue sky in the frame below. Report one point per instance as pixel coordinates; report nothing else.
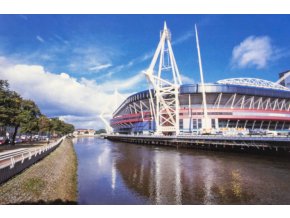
(102, 52)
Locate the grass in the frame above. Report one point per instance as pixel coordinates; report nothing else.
(33, 186)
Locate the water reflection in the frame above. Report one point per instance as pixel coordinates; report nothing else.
(118, 173)
(98, 180)
(170, 177)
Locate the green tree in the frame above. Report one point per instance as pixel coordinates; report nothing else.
(59, 127)
(4, 89)
(56, 125)
(10, 108)
(44, 124)
(10, 103)
(27, 118)
(17, 112)
(67, 128)
(101, 131)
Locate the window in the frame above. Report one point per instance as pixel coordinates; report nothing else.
(181, 123)
(194, 124)
(199, 126)
(222, 123)
(212, 123)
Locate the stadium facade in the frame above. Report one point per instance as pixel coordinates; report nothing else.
(230, 106)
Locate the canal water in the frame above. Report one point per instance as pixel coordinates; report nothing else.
(121, 173)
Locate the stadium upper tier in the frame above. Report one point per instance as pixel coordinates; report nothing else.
(216, 88)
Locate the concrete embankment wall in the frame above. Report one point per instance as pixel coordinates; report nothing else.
(10, 171)
(278, 146)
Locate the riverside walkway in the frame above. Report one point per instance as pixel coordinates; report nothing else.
(53, 180)
(13, 162)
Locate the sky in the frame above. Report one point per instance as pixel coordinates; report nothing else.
(71, 65)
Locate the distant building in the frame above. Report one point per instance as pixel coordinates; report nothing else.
(84, 132)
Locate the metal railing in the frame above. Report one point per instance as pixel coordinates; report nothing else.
(14, 161)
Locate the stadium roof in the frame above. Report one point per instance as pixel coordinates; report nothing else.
(253, 82)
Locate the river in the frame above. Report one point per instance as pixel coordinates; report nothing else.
(121, 173)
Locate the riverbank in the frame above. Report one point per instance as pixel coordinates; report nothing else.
(278, 146)
(84, 136)
(52, 180)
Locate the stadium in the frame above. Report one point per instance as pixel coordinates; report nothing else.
(236, 106)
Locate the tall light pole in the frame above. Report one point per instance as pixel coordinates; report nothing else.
(205, 116)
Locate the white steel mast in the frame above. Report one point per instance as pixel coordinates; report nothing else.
(165, 102)
(108, 128)
(283, 77)
(109, 109)
(206, 120)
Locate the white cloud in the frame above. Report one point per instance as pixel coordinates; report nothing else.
(184, 37)
(149, 55)
(90, 122)
(123, 85)
(123, 67)
(59, 38)
(3, 62)
(186, 79)
(79, 101)
(100, 67)
(130, 64)
(87, 58)
(253, 52)
(146, 56)
(39, 38)
(24, 17)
